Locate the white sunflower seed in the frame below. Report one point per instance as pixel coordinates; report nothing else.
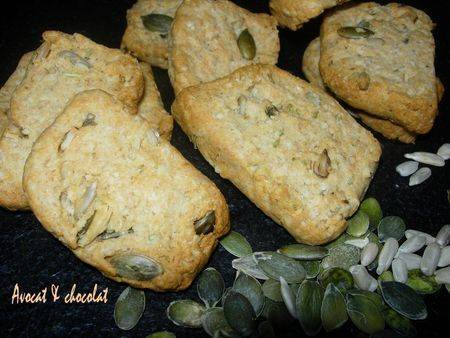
(387, 255)
(407, 168)
(399, 270)
(362, 278)
(443, 236)
(412, 244)
(411, 260)
(444, 260)
(444, 151)
(419, 176)
(429, 239)
(442, 276)
(369, 253)
(373, 285)
(358, 242)
(66, 203)
(430, 259)
(86, 200)
(67, 139)
(426, 158)
(288, 297)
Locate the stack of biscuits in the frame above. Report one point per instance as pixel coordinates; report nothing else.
(85, 139)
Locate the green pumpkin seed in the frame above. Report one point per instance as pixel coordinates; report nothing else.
(246, 45)
(186, 313)
(343, 256)
(136, 267)
(205, 224)
(161, 334)
(358, 224)
(333, 311)
(239, 313)
(225, 292)
(447, 286)
(404, 300)
(312, 268)
(308, 305)
(236, 244)
(365, 314)
(265, 330)
(276, 265)
(210, 287)
(385, 334)
(271, 289)
(374, 297)
(355, 32)
(157, 22)
(386, 276)
(249, 266)
(372, 209)
(214, 320)
(276, 313)
(421, 283)
(251, 289)
(391, 226)
(339, 277)
(303, 251)
(129, 308)
(399, 323)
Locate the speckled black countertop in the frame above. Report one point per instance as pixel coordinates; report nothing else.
(34, 259)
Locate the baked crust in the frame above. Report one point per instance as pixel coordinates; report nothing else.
(310, 63)
(203, 41)
(371, 74)
(146, 197)
(63, 66)
(266, 131)
(148, 46)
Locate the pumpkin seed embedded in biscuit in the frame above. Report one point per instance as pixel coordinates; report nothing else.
(136, 267)
(323, 165)
(355, 32)
(246, 45)
(363, 80)
(157, 22)
(271, 111)
(205, 224)
(75, 59)
(89, 120)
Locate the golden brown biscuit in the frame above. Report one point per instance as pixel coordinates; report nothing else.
(122, 198)
(294, 13)
(287, 145)
(310, 63)
(146, 36)
(380, 59)
(63, 66)
(210, 39)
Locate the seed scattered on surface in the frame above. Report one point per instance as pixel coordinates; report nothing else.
(246, 45)
(67, 139)
(399, 270)
(419, 176)
(136, 267)
(391, 227)
(303, 251)
(288, 297)
(355, 32)
(333, 311)
(412, 244)
(429, 239)
(422, 284)
(364, 313)
(251, 289)
(369, 253)
(386, 276)
(308, 305)
(426, 158)
(157, 22)
(210, 287)
(339, 277)
(358, 242)
(239, 313)
(362, 278)
(358, 224)
(214, 320)
(399, 324)
(236, 244)
(161, 334)
(443, 275)
(86, 200)
(430, 259)
(443, 236)
(444, 260)
(249, 266)
(404, 300)
(343, 256)
(387, 255)
(373, 209)
(276, 265)
(407, 168)
(129, 308)
(411, 260)
(272, 290)
(205, 224)
(444, 151)
(185, 313)
(322, 166)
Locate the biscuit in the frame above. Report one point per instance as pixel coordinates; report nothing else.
(210, 39)
(8, 88)
(287, 145)
(151, 107)
(380, 59)
(63, 66)
(387, 128)
(150, 44)
(294, 13)
(310, 63)
(122, 198)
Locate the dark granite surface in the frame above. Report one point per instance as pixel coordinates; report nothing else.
(34, 259)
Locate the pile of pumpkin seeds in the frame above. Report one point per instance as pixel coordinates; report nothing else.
(372, 275)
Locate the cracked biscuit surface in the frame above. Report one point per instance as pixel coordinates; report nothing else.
(287, 145)
(204, 41)
(122, 198)
(146, 36)
(63, 66)
(380, 59)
